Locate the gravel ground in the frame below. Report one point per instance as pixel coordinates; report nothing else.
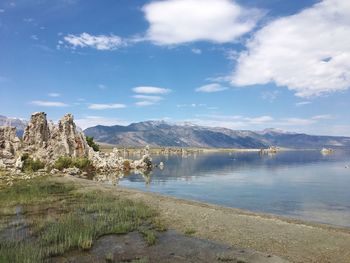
(293, 240)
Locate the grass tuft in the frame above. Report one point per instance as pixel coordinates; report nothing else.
(189, 231)
(149, 236)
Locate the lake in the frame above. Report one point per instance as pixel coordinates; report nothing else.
(297, 184)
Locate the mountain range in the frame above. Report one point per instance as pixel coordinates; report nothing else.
(163, 134)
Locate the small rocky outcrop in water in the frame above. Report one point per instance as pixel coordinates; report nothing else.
(45, 141)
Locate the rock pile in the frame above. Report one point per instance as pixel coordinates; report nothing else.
(45, 141)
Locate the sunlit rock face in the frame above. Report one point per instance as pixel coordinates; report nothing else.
(47, 141)
(67, 140)
(37, 132)
(9, 146)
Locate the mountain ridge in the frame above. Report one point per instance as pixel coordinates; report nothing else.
(164, 134)
(20, 124)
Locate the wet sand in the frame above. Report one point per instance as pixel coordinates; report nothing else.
(292, 240)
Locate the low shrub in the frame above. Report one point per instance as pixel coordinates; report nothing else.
(63, 162)
(92, 144)
(67, 162)
(31, 165)
(81, 163)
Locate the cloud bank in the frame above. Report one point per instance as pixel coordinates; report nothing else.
(309, 52)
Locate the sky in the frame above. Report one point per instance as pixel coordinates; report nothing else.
(240, 64)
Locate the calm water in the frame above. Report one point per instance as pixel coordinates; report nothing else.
(300, 184)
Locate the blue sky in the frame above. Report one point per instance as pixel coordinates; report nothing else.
(237, 64)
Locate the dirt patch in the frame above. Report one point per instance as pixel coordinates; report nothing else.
(171, 247)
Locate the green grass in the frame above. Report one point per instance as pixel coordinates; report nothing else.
(32, 192)
(79, 219)
(149, 236)
(189, 231)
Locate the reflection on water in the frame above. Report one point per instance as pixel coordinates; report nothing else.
(114, 177)
(300, 184)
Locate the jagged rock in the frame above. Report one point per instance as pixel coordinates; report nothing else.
(54, 171)
(37, 133)
(144, 163)
(161, 165)
(19, 163)
(2, 165)
(72, 171)
(67, 140)
(9, 146)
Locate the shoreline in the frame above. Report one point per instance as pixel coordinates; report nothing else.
(291, 239)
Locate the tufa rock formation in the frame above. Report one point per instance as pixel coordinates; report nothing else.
(47, 142)
(9, 146)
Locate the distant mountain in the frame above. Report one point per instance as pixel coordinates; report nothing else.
(20, 124)
(160, 133)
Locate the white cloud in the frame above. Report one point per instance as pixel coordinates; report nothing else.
(210, 88)
(150, 90)
(297, 124)
(302, 103)
(90, 121)
(183, 21)
(192, 105)
(34, 37)
(196, 51)
(44, 103)
(323, 117)
(145, 95)
(259, 120)
(144, 103)
(147, 100)
(148, 97)
(53, 94)
(106, 106)
(99, 42)
(2, 10)
(308, 52)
